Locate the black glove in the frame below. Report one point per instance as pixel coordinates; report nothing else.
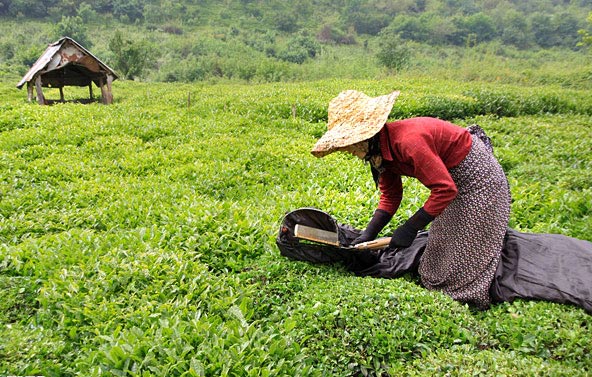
(406, 233)
(379, 220)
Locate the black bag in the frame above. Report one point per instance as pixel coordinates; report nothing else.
(548, 267)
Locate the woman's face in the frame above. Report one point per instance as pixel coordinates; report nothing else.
(359, 149)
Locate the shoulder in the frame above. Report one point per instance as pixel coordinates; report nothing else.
(421, 122)
(424, 127)
(405, 130)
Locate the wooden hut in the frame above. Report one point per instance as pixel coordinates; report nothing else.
(67, 63)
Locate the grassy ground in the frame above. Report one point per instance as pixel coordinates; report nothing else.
(138, 238)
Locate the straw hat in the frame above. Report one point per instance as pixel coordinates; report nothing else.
(353, 117)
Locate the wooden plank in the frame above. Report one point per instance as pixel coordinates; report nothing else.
(316, 235)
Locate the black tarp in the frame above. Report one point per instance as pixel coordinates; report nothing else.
(549, 267)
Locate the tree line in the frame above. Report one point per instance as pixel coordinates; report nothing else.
(271, 40)
(522, 23)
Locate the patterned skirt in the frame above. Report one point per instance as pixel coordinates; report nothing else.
(465, 241)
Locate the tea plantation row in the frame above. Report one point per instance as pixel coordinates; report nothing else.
(138, 238)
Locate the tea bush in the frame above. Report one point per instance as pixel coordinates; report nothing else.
(139, 238)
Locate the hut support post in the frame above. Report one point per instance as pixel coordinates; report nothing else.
(29, 91)
(40, 97)
(109, 93)
(103, 90)
(90, 93)
(61, 94)
(107, 97)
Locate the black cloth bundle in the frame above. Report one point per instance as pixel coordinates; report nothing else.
(549, 267)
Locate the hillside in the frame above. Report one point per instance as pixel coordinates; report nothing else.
(530, 42)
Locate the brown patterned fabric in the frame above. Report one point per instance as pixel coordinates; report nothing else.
(465, 241)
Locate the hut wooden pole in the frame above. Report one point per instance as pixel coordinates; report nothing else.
(107, 97)
(109, 93)
(90, 93)
(40, 97)
(103, 90)
(61, 94)
(29, 91)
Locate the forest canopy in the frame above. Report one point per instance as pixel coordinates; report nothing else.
(524, 23)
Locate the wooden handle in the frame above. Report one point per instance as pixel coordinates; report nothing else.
(374, 244)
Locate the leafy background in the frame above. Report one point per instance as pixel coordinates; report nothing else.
(528, 41)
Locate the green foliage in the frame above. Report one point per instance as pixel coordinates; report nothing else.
(438, 22)
(394, 53)
(86, 13)
(187, 42)
(299, 49)
(25, 57)
(478, 26)
(585, 34)
(410, 27)
(24, 8)
(514, 29)
(131, 57)
(188, 70)
(138, 238)
(364, 17)
(74, 28)
(372, 327)
(332, 34)
(128, 10)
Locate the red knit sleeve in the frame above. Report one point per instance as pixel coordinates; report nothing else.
(391, 192)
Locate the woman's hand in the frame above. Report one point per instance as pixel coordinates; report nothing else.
(404, 235)
(363, 237)
(379, 220)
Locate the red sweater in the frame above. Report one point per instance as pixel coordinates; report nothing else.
(424, 148)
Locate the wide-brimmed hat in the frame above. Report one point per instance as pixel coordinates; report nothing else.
(353, 117)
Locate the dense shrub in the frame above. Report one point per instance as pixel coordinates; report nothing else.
(74, 28)
(479, 25)
(393, 52)
(128, 10)
(131, 58)
(331, 34)
(299, 49)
